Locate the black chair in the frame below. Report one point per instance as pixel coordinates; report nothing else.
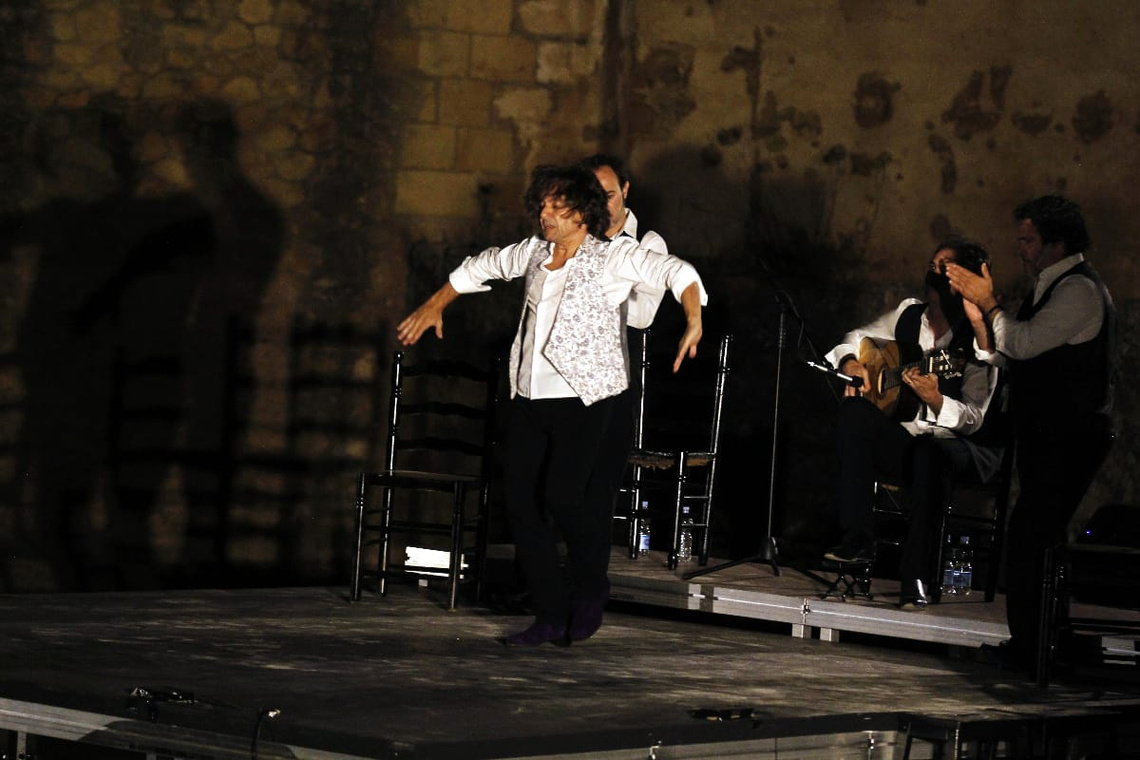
(976, 509)
(1102, 575)
(677, 426)
(435, 448)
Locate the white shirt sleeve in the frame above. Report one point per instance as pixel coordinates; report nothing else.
(1073, 314)
(881, 329)
(965, 415)
(507, 263)
(630, 264)
(644, 300)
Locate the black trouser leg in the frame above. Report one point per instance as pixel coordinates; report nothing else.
(588, 579)
(1055, 468)
(934, 463)
(552, 449)
(870, 446)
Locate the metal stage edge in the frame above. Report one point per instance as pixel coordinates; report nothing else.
(797, 599)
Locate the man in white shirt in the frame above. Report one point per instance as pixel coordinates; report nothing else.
(1060, 352)
(567, 367)
(641, 308)
(925, 450)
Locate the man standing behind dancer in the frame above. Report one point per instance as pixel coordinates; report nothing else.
(641, 308)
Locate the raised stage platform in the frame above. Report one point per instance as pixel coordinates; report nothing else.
(797, 598)
(680, 669)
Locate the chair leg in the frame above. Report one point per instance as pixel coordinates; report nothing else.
(456, 560)
(479, 566)
(358, 553)
(382, 562)
(1046, 635)
(706, 519)
(635, 515)
(682, 473)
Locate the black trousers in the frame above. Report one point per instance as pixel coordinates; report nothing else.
(1056, 463)
(554, 449)
(871, 448)
(608, 475)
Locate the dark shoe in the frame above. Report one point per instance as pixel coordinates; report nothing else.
(912, 594)
(538, 634)
(852, 552)
(586, 616)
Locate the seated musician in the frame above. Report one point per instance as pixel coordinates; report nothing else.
(918, 433)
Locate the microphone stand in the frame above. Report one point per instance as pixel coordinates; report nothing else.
(769, 550)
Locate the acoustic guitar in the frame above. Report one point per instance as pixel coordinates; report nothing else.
(886, 362)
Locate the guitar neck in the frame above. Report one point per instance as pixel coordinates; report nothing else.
(892, 377)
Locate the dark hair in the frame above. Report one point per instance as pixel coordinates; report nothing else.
(598, 160)
(1057, 220)
(967, 253)
(575, 186)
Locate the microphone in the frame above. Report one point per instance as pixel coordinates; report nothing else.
(854, 382)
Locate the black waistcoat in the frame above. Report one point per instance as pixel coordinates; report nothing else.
(906, 333)
(1069, 380)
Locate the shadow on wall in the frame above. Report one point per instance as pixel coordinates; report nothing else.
(120, 350)
(764, 246)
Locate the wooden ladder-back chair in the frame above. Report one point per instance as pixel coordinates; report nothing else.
(677, 426)
(440, 436)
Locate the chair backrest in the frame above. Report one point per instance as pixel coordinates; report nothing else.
(441, 416)
(682, 410)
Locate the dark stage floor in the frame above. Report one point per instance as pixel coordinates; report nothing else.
(402, 677)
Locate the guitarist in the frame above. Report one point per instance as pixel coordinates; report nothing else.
(928, 449)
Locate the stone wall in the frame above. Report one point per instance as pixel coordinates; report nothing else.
(175, 168)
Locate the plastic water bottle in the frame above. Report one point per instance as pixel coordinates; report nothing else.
(644, 529)
(965, 566)
(951, 571)
(685, 547)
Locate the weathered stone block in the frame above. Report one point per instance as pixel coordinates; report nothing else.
(510, 59)
(444, 54)
(559, 18)
(398, 53)
(267, 36)
(234, 36)
(73, 55)
(292, 13)
(481, 16)
(62, 27)
(486, 150)
(428, 146)
(429, 102)
(99, 23)
(566, 62)
(464, 102)
(529, 105)
(255, 11)
(426, 193)
(241, 90)
(423, 14)
(189, 36)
